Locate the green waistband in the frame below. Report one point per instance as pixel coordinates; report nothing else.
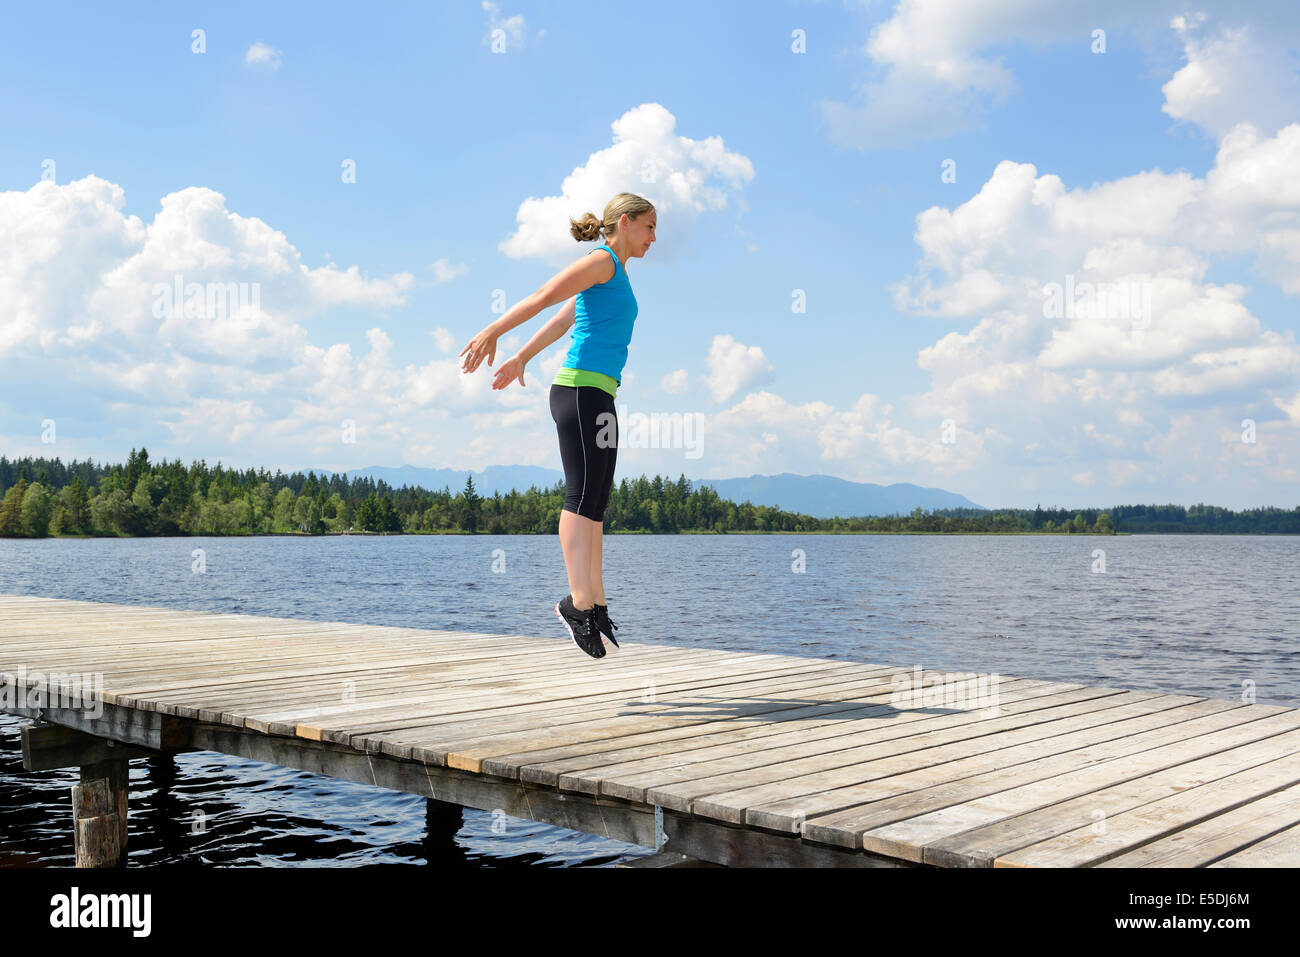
(580, 377)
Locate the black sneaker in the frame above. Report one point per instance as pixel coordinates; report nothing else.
(605, 626)
(582, 629)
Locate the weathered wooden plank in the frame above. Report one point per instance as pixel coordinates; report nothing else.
(438, 698)
(836, 807)
(280, 677)
(146, 729)
(825, 710)
(385, 720)
(309, 698)
(602, 720)
(611, 707)
(1113, 762)
(916, 743)
(433, 744)
(437, 681)
(602, 727)
(578, 691)
(553, 667)
(820, 790)
(960, 835)
(1279, 850)
(168, 674)
(1220, 836)
(47, 747)
(820, 709)
(1146, 809)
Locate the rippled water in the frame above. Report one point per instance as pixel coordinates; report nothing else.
(1196, 614)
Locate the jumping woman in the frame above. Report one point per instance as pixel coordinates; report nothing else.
(601, 309)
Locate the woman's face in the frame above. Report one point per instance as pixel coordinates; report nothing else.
(641, 232)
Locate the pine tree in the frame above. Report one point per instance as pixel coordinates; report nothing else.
(11, 509)
(37, 510)
(368, 514)
(78, 508)
(472, 509)
(136, 465)
(389, 520)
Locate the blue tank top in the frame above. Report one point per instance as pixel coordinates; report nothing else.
(602, 324)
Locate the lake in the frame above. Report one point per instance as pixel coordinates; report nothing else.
(1190, 614)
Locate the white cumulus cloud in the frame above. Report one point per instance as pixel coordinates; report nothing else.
(1233, 75)
(1102, 386)
(734, 367)
(682, 177)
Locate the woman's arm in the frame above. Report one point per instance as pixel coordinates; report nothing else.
(583, 274)
(550, 332)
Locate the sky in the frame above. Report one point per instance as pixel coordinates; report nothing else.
(1030, 252)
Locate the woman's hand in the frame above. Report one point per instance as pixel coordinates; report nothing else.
(511, 369)
(484, 344)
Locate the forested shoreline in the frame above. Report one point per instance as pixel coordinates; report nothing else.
(42, 497)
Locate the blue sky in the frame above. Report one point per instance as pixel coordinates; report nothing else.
(1165, 162)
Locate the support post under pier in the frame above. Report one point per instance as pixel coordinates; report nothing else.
(99, 813)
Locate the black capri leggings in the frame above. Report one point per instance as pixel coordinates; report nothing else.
(588, 429)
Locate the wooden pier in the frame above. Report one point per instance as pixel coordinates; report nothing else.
(714, 757)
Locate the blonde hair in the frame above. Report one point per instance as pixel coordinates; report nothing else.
(590, 226)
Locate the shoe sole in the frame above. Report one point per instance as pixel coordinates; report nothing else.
(574, 636)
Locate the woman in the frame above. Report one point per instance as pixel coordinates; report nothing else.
(602, 310)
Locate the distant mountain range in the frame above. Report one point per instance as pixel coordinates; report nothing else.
(822, 496)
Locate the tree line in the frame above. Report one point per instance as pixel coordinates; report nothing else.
(41, 497)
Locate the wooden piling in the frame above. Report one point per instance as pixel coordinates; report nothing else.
(99, 814)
